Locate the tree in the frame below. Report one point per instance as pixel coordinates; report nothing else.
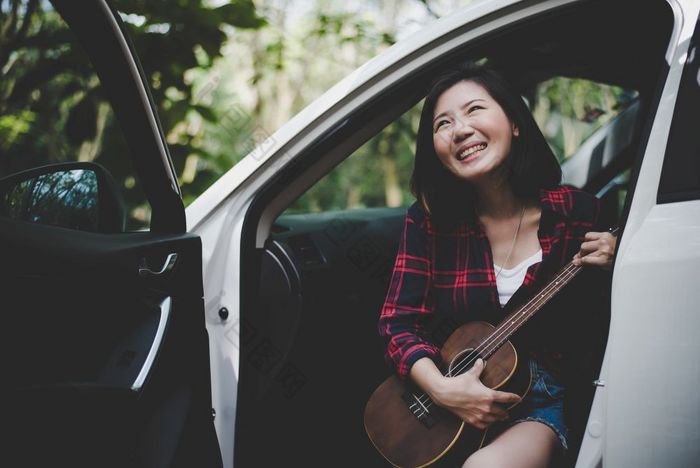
(51, 103)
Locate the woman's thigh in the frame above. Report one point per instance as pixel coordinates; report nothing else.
(528, 444)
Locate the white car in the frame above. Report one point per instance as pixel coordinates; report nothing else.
(107, 359)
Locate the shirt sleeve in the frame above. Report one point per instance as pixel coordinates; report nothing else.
(408, 305)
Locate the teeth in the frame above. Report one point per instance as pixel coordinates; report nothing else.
(470, 151)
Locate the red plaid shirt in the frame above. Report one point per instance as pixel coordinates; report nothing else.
(453, 273)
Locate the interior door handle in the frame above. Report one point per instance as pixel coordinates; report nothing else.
(145, 272)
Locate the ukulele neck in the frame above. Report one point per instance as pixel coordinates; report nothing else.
(515, 320)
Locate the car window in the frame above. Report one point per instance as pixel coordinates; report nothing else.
(53, 110)
(377, 174)
(569, 111)
(680, 176)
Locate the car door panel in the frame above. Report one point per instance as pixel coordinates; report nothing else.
(106, 353)
(90, 336)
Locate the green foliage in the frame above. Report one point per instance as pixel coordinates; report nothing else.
(52, 107)
(175, 45)
(13, 128)
(223, 79)
(569, 110)
(377, 174)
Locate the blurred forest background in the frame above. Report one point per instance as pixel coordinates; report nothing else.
(224, 76)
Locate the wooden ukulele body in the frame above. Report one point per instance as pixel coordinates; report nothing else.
(408, 434)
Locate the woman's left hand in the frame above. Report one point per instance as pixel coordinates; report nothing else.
(598, 249)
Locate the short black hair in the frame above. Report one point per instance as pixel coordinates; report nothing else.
(534, 168)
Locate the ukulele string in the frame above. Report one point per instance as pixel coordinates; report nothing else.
(467, 361)
(535, 301)
(566, 274)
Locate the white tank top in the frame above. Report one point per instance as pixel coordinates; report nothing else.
(508, 281)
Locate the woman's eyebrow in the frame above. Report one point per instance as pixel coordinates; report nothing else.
(467, 104)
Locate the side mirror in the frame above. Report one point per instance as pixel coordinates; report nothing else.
(77, 195)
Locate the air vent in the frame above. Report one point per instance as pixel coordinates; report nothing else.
(305, 251)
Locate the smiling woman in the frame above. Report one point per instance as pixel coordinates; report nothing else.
(480, 115)
(464, 110)
(477, 123)
(332, 269)
(488, 194)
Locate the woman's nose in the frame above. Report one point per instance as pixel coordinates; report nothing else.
(462, 130)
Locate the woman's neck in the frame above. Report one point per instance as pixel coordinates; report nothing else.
(497, 201)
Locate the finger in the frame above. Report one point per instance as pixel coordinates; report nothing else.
(490, 419)
(605, 239)
(505, 397)
(474, 421)
(497, 413)
(478, 367)
(600, 248)
(605, 250)
(594, 235)
(479, 425)
(585, 259)
(600, 260)
(590, 246)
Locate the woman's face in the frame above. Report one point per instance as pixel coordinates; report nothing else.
(471, 133)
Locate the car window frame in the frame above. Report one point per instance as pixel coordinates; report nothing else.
(683, 147)
(102, 34)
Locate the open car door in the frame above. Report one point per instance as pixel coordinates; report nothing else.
(106, 356)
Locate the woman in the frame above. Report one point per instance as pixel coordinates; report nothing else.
(490, 223)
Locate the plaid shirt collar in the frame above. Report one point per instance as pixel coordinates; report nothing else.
(555, 205)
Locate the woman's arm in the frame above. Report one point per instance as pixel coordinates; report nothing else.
(408, 306)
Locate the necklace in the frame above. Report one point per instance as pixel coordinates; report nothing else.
(512, 245)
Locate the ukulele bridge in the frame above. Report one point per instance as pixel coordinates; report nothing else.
(419, 409)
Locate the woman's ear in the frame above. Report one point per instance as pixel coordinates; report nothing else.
(516, 130)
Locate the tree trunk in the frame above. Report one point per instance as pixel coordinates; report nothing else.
(392, 190)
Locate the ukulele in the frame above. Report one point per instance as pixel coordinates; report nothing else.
(410, 430)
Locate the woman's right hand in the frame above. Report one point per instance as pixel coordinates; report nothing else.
(470, 399)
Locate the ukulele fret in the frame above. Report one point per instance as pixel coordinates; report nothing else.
(419, 409)
(517, 319)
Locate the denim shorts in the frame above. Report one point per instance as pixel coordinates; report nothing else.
(543, 403)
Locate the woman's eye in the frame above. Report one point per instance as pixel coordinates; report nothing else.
(441, 123)
(473, 108)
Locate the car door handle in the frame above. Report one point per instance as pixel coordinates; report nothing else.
(146, 272)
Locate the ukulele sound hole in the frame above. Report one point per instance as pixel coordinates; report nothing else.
(462, 362)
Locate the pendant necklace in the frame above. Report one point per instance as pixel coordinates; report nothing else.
(522, 212)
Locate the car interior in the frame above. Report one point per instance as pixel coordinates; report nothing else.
(311, 297)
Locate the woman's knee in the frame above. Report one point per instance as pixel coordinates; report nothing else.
(484, 457)
(525, 445)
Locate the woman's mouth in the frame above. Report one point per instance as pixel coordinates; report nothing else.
(471, 153)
